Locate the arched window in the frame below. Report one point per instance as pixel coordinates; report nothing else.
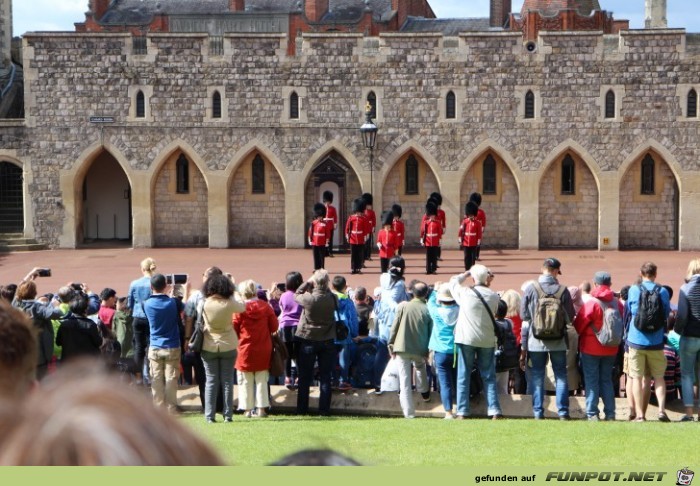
(648, 175)
(294, 106)
(450, 106)
(411, 175)
(372, 100)
(692, 104)
(182, 169)
(489, 175)
(529, 105)
(140, 105)
(610, 104)
(258, 175)
(216, 105)
(568, 175)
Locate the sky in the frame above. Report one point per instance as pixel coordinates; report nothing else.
(41, 15)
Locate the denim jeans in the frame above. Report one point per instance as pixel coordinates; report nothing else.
(381, 359)
(142, 335)
(486, 362)
(537, 362)
(218, 368)
(307, 354)
(597, 373)
(690, 364)
(345, 354)
(447, 376)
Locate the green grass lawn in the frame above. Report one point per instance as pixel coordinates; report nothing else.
(437, 442)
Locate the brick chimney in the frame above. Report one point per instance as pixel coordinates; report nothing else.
(315, 9)
(99, 8)
(236, 5)
(500, 12)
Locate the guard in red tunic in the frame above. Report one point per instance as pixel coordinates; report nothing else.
(357, 232)
(430, 236)
(470, 234)
(386, 241)
(319, 234)
(481, 216)
(436, 199)
(399, 227)
(372, 222)
(331, 218)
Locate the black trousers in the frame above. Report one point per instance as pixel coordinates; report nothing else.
(329, 251)
(469, 256)
(384, 263)
(399, 250)
(319, 256)
(431, 256)
(356, 257)
(368, 247)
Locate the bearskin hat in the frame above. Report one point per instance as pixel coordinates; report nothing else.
(476, 197)
(431, 209)
(367, 198)
(327, 196)
(397, 210)
(437, 197)
(319, 210)
(471, 208)
(358, 205)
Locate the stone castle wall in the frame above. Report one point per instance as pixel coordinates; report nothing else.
(70, 77)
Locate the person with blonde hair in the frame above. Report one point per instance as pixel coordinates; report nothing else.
(18, 352)
(254, 328)
(139, 291)
(84, 417)
(688, 326)
(512, 299)
(220, 342)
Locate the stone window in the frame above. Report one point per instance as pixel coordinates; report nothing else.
(372, 100)
(568, 176)
(451, 105)
(648, 175)
(216, 105)
(140, 105)
(182, 177)
(294, 106)
(529, 105)
(140, 46)
(258, 175)
(489, 176)
(692, 104)
(411, 175)
(610, 104)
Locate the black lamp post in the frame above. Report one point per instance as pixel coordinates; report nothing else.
(369, 137)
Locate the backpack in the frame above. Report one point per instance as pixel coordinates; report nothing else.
(550, 319)
(507, 353)
(650, 316)
(610, 333)
(363, 373)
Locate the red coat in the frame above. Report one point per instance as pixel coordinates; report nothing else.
(481, 217)
(254, 328)
(431, 232)
(592, 313)
(400, 230)
(356, 229)
(386, 241)
(319, 233)
(331, 216)
(470, 232)
(440, 217)
(371, 219)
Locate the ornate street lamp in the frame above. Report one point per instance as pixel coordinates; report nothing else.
(369, 138)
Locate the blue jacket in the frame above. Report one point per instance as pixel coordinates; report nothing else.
(442, 338)
(348, 314)
(139, 291)
(163, 314)
(635, 338)
(385, 307)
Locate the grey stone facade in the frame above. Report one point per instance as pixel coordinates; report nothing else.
(70, 77)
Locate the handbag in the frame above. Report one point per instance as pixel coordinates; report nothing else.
(341, 330)
(197, 337)
(279, 356)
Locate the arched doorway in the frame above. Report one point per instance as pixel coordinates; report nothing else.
(332, 173)
(106, 202)
(649, 205)
(11, 198)
(568, 204)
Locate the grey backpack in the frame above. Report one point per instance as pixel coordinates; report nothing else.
(612, 329)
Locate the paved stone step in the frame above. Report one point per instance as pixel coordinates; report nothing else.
(17, 242)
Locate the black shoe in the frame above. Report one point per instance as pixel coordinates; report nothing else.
(426, 396)
(564, 417)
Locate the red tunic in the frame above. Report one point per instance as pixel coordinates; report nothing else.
(400, 230)
(371, 219)
(254, 327)
(431, 232)
(319, 233)
(470, 232)
(356, 229)
(481, 217)
(386, 241)
(331, 216)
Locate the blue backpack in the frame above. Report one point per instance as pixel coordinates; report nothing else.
(363, 374)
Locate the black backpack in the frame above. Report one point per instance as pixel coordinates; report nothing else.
(507, 353)
(650, 316)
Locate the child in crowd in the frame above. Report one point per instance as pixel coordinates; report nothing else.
(386, 241)
(399, 227)
(319, 236)
(475, 197)
(122, 326)
(346, 312)
(507, 351)
(470, 234)
(108, 303)
(364, 305)
(430, 236)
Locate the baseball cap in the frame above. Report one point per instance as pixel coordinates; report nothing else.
(553, 264)
(602, 278)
